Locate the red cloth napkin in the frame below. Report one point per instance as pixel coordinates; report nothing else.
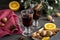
(12, 21)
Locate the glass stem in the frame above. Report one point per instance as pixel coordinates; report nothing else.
(36, 23)
(28, 30)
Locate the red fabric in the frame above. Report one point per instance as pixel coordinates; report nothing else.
(12, 20)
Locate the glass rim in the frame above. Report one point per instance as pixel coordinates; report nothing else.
(27, 11)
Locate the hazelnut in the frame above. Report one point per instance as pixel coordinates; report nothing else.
(38, 35)
(49, 33)
(43, 33)
(34, 34)
(21, 38)
(4, 20)
(57, 14)
(2, 24)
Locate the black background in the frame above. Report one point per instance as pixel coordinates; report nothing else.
(4, 4)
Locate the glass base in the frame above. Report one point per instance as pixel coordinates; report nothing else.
(27, 31)
(35, 24)
(26, 34)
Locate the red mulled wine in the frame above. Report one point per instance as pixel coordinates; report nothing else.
(27, 20)
(36, 15)
(37, 11)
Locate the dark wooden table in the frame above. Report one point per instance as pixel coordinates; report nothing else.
(42, 21)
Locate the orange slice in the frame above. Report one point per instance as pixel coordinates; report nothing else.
(50, 26)
(14, 5)
(45, 38)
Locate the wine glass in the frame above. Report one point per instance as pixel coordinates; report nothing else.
(27, 19)
(32, 5)
(36, 16)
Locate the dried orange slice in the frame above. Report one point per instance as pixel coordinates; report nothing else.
(14, 5)
(45, 38)
(50, 26)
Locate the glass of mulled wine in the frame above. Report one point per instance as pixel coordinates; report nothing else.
(36, 16)
(27, 19)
